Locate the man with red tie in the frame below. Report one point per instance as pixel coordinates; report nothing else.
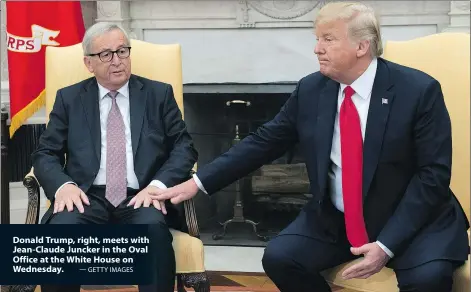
(376, 138)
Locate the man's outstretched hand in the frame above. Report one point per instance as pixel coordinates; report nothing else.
(374, 260)
(178, 193)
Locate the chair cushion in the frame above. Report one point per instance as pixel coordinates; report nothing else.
(189, 253)
(385, 281)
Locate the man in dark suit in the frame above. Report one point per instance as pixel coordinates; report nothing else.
(124, 138)
(376, 138)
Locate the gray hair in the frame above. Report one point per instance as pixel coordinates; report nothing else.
(362, 22)
(99, 29)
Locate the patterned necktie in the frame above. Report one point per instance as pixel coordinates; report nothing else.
(116, 183)
(352, 168)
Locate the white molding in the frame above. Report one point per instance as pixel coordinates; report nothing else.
(115, 11)
(38, 118)
(157, 21)
(268, 14)
(267, 28)
(5, 90)
(459, 17)
(5, 95)
(3, 43)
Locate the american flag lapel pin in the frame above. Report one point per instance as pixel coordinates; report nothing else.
(384, 101)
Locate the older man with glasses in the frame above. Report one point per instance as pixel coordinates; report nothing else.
(124, 138)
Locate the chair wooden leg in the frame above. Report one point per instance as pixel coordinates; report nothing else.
(198, 281)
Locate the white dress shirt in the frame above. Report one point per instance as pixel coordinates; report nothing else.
(122, 100)
(363, 87)
(361, 98)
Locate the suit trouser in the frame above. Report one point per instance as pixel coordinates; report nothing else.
(101, 211)
(295, 262)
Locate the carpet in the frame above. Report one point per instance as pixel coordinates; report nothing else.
(220, 282)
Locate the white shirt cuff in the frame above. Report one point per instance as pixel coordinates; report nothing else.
(386, 250)
(158, 184)
(199, 184)
(69, 182)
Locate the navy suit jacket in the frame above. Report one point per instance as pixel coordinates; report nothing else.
(162, 148)
(408, 205)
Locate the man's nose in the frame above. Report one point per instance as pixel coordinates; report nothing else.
(115, 60)
(317, 48)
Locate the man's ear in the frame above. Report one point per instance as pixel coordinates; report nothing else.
(363, 48)
(88, 63)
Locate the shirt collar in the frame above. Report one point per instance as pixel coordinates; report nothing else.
(104, 91)
(364, 84)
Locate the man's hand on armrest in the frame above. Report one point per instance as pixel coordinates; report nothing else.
(69, 195)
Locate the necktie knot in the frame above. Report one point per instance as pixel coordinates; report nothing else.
(113, 94)
(348, 92)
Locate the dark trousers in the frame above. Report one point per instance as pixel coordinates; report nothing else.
(294, 263)
(101, 211)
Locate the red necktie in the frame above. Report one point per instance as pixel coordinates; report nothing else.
(352, 168)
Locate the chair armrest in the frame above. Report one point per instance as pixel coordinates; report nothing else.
(18, 288)
(190, 212)
(32, 185)
(190, 217)
(32, 215)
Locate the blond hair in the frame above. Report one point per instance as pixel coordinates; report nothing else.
(362, 22)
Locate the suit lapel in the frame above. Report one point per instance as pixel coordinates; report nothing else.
(380, 104)
(326, 111)
(90, 101)
(137, 104)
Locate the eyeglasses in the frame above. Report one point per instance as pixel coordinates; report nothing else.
(107, 55)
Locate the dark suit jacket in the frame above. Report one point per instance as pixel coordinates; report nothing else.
(408, 205)
(162, 147)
